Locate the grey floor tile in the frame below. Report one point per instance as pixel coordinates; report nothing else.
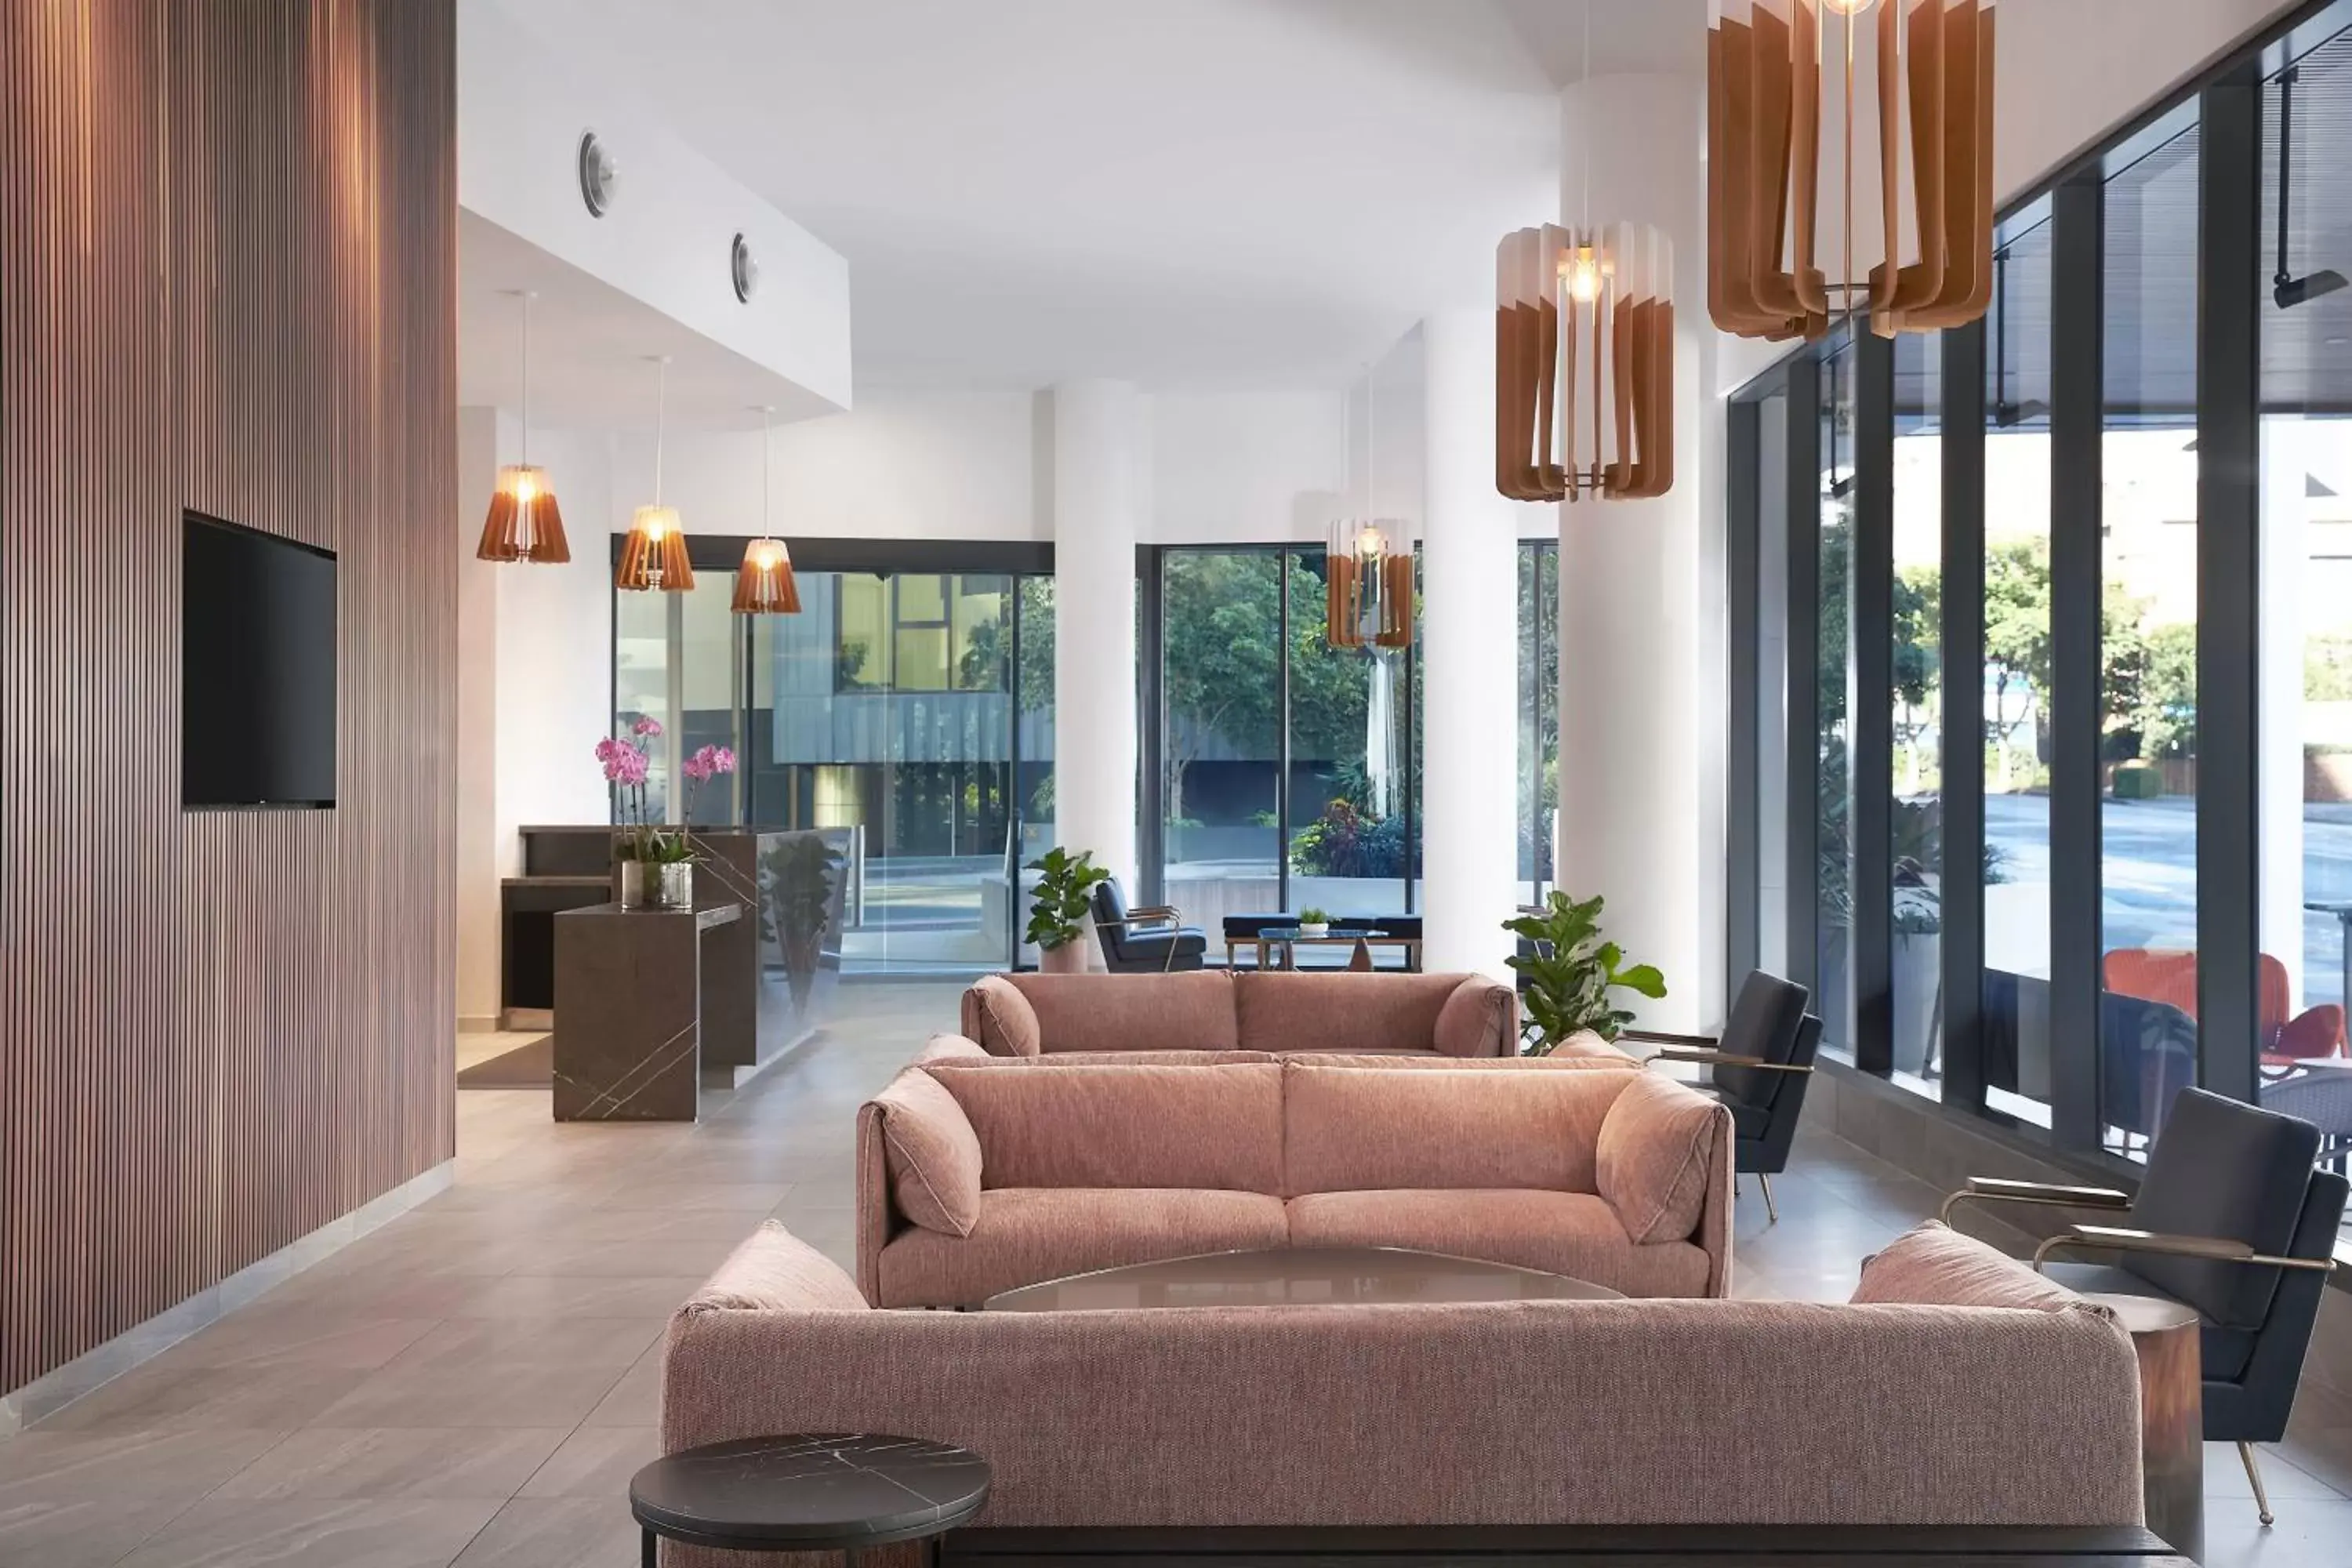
(557, 1533)
(240, 1533)
(595, 1462)
(167, 1396)
(329, 1462)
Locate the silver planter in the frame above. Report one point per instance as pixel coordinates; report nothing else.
(657, 885)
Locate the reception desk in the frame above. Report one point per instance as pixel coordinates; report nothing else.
(763, 977)
(642, 1000)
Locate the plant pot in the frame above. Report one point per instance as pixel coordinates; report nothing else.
(1070, 958)
(1320, 928)
(657, 885)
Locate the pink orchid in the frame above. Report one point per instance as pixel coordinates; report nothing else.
(605, 749)
(646, 726)
(708, 762)
(627, 767)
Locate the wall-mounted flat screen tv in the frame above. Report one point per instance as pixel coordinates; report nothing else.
(258, 662)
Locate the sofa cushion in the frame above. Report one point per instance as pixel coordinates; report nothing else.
(1574, 1234)
(932, 1152)
(997, 1016)
(1661, 1147)
(1933, 1265)
(1478, 1020)
(1201, 1127)
(1352, 1129)
(1192, 1012)
(1588, 1045)
(1278, 1010)
(1084, 1059)
(776, 1271)
(1429, 1060)
(1029, 1234)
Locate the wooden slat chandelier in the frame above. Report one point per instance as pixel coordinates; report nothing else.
(1367, 560)
(1913, 196)
(1584, 363)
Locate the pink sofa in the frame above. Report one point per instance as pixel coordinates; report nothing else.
(1966, 1395)
(1212, 1010)
(974, 1179)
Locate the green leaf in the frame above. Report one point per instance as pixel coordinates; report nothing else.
(1645, 979)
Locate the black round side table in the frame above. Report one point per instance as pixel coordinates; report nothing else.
(809, 1492)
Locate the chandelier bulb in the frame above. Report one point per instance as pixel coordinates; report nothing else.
(1583, 272)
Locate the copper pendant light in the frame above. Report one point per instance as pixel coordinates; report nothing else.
(654, 556)
(1367, 565)
(1771, 68)
(764, 586)
(523, 523)
(1584, 356)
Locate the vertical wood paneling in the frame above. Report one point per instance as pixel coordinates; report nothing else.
(227, 282)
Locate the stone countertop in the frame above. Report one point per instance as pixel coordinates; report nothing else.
(707, 918)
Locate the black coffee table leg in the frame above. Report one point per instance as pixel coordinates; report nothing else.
(650, 1556)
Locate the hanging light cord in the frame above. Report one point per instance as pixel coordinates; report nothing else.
(1584, 121)
(526, 377)
(661, 419)
(767, 475)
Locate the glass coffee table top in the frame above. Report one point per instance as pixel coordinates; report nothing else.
(1297, 1277)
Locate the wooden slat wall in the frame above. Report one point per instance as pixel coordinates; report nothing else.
(227, 282)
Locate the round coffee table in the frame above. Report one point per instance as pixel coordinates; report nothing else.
(1297, 1275)
(809, 1492)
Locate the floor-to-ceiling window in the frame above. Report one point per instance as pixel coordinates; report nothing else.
(1288, 766)
(2304, 636)
(2016, 866)
(902, 707)
(2148, 641)
(1538, 714)
(1916, 812)
(1834, 997)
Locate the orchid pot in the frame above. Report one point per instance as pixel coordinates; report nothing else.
(656, 884)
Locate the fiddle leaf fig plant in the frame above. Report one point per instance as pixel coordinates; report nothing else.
(1568, 971)
(1065, 887)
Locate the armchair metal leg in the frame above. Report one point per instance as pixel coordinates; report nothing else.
(1771, 1209)
(2254, 1474)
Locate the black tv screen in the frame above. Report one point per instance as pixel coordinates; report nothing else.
(258, 662)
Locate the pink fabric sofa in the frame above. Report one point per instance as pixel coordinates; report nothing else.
(1280, 1013)
(1966, 1393)
(976, 1178)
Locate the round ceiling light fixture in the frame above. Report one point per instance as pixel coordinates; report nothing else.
(743, 268)
(600, 176)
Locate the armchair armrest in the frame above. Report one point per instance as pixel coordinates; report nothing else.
(1143, 918)
(2050, 1194)
(2212, 1248)
(1660, 1037)
(1726, 1060)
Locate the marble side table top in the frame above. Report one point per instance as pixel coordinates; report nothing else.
(810, 1491)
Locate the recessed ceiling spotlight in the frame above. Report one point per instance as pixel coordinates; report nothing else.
(600, 176)
(744, 267)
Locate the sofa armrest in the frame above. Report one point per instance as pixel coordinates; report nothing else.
(877, 1217)
(952, 1049)
(997, 1016)
(775, 1271)
(1663, 1150)
(2209, 1249)
(1480, 1018)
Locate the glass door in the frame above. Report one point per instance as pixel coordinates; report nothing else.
(886, 708)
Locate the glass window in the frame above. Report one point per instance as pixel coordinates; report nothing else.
(1539, 711)
(1834, 879)
(641, 688)
(1222, 685)
(1771, 685)
(2148, 657)
(2304, 631)
(2016, 866)
(1916, 813)
(1349, 750)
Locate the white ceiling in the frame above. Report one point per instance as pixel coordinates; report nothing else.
(1191, 194)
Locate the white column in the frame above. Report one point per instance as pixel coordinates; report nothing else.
(1469, 729)
(1637, 822)
(1100, 472)
(485, 438)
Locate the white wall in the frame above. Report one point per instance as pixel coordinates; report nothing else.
(522, 104)
(555, 655)
(485, 438)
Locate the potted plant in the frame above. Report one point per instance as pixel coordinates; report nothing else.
(1313, 921)
(656, 868)
(805, 871)
(1567, 972)
(1065, 888)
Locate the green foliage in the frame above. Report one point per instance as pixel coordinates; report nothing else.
(1311, 916)
(2328, 669)
(649, 844)
(1347, 841)
(1568, 976)
(1066, 886)
(801, 871)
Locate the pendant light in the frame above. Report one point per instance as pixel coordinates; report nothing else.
(764, 586)
(1770, 69)
(1584, 353)
(524, 523)
(1366, 568)
(653, 557)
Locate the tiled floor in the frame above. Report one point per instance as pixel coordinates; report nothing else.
(474, 1383)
